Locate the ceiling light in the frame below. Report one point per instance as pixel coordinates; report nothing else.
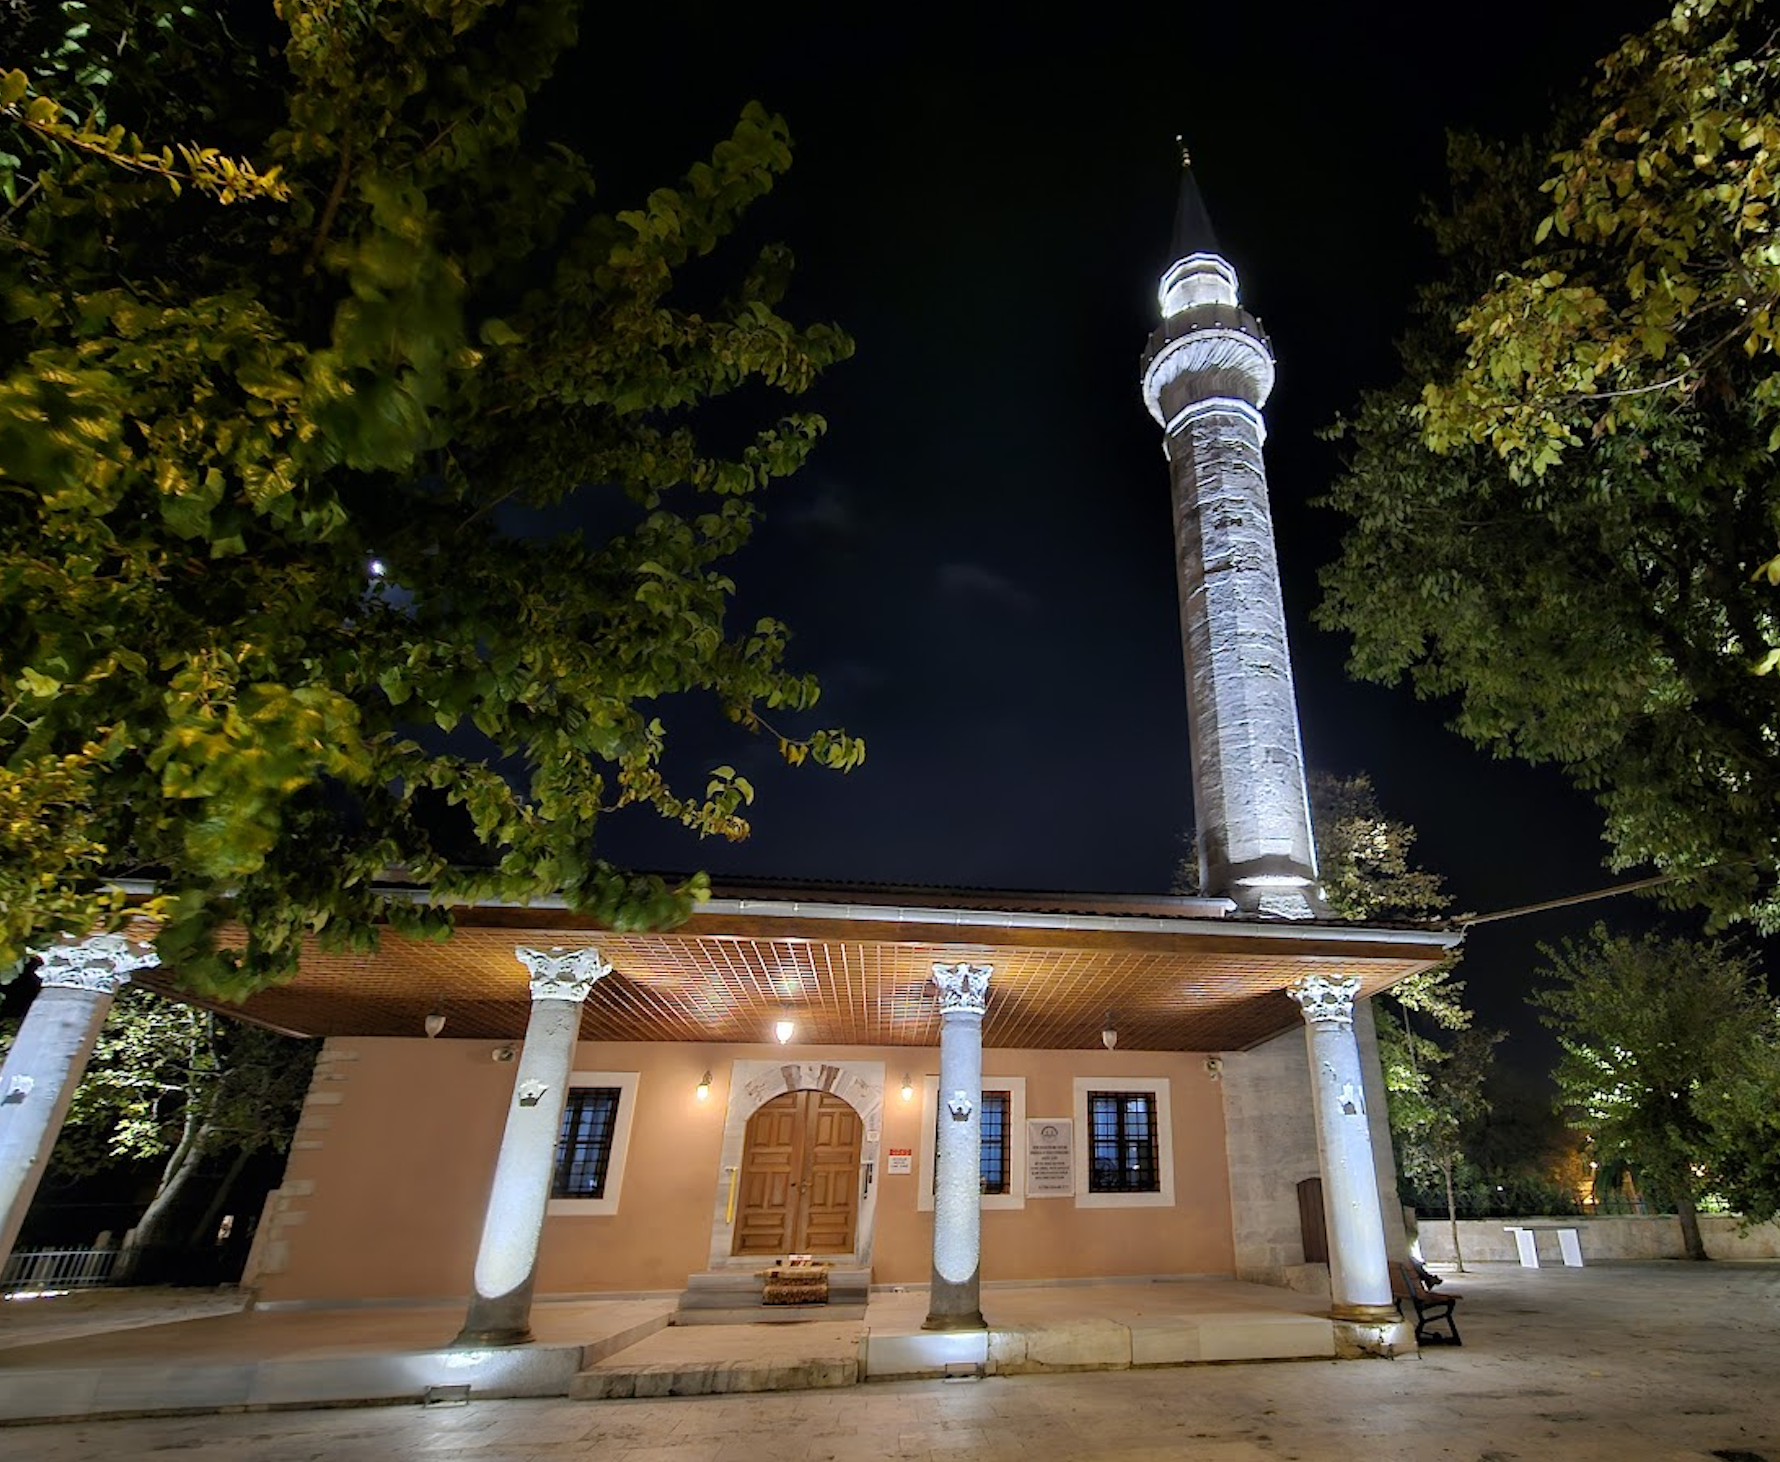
(783, 1030)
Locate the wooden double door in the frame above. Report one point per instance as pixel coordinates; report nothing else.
(799, 1187)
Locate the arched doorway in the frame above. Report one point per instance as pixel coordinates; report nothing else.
(756, 1084)
(798, 1190)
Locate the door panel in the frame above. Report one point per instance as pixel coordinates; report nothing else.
(832, 1170)
(772, 1158)
(799, 1185)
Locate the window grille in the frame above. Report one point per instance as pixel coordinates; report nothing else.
(1122, 1140)
(584, 1147)
(995, 1165)
(995, 1159)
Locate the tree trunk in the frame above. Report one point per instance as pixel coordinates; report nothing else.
(204, 1231)
(1691, 1241)
(1452, 1217)
(180, 1169)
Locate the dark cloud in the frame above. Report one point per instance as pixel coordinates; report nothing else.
(976, 583)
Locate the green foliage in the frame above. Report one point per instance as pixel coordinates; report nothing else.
(1364, 856)
(1434, 1063)
(1435, 1124)
(1669, 1061)
(367, 316)
(165, 1074)
(1558, 516)
(1656, 274)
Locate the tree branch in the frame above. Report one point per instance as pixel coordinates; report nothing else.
(331, 208)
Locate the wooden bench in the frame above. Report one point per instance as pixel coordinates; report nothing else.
(1430, 1308)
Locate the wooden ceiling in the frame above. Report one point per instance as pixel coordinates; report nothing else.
(728, 980)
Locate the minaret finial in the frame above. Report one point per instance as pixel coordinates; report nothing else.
(1186, 158)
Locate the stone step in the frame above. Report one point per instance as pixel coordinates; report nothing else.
(748, 1279)
(764, 1314)
(733, 1297)
(615, 1381)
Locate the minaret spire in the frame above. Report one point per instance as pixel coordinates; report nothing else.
(1206, 375)
(1193, 232)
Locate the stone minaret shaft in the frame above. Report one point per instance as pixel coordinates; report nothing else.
(1206, 374)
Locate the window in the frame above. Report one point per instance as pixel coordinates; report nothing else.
(592, 1143)
(584, 1148)
(994, 1160)
(1122, 1134)
(1124, 1142)
(995, 1163)
(1002, 1156)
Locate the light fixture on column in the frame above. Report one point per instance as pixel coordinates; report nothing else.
(1109, 1033)
(908, 1087)
(784, 1029)
(704, 1087)
(434, 1022)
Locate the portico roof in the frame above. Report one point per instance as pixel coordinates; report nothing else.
(852, 967)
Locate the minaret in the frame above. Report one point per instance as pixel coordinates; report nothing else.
(1205, 376)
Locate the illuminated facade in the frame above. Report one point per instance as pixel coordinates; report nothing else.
(920, 1087)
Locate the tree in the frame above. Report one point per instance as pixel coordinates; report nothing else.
(1742, 1111)
(1434, 1063)
(1559, 515)
(360, 503)
(1434, 1121)
(179, 1087)
(1368, 874)
(1660, 1037)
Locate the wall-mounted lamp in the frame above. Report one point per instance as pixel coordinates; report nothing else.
(434, 1023)
(784, 1030)
(502, 1054)
(908, 1087)
(1214, 1067)
(1109, 1034)
(703, 1093)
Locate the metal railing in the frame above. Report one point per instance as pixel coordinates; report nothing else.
(58, 1269)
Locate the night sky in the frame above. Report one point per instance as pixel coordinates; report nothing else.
(979, 562)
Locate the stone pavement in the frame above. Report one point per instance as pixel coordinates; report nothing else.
(1657, 1361)
(69, 1360)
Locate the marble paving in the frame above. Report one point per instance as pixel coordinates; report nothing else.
(1648, 1362)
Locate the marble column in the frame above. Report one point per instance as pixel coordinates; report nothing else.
(1359, 1273)
(80, 980)
(507, 1260)
(954, 1301)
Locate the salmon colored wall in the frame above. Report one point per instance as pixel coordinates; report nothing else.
(389, 1203)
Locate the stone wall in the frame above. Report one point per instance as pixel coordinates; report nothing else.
(1270, 1140)
(1486, 1240)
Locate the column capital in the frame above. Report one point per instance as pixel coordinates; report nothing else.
(100, 963)
(562, 974)
(1324, 1000)
(963, 987)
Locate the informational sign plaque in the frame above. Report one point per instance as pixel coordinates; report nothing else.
(1050, 1158)
(902, 1160)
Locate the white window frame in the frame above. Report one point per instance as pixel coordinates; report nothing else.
(1157, 1086)
(626, 1082)
(1015, 1087)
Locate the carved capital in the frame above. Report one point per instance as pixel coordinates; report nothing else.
(563, 974)
(962, 987)
(1325, 1001)
(100, 963)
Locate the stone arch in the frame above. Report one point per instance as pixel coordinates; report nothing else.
(860, 1084)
